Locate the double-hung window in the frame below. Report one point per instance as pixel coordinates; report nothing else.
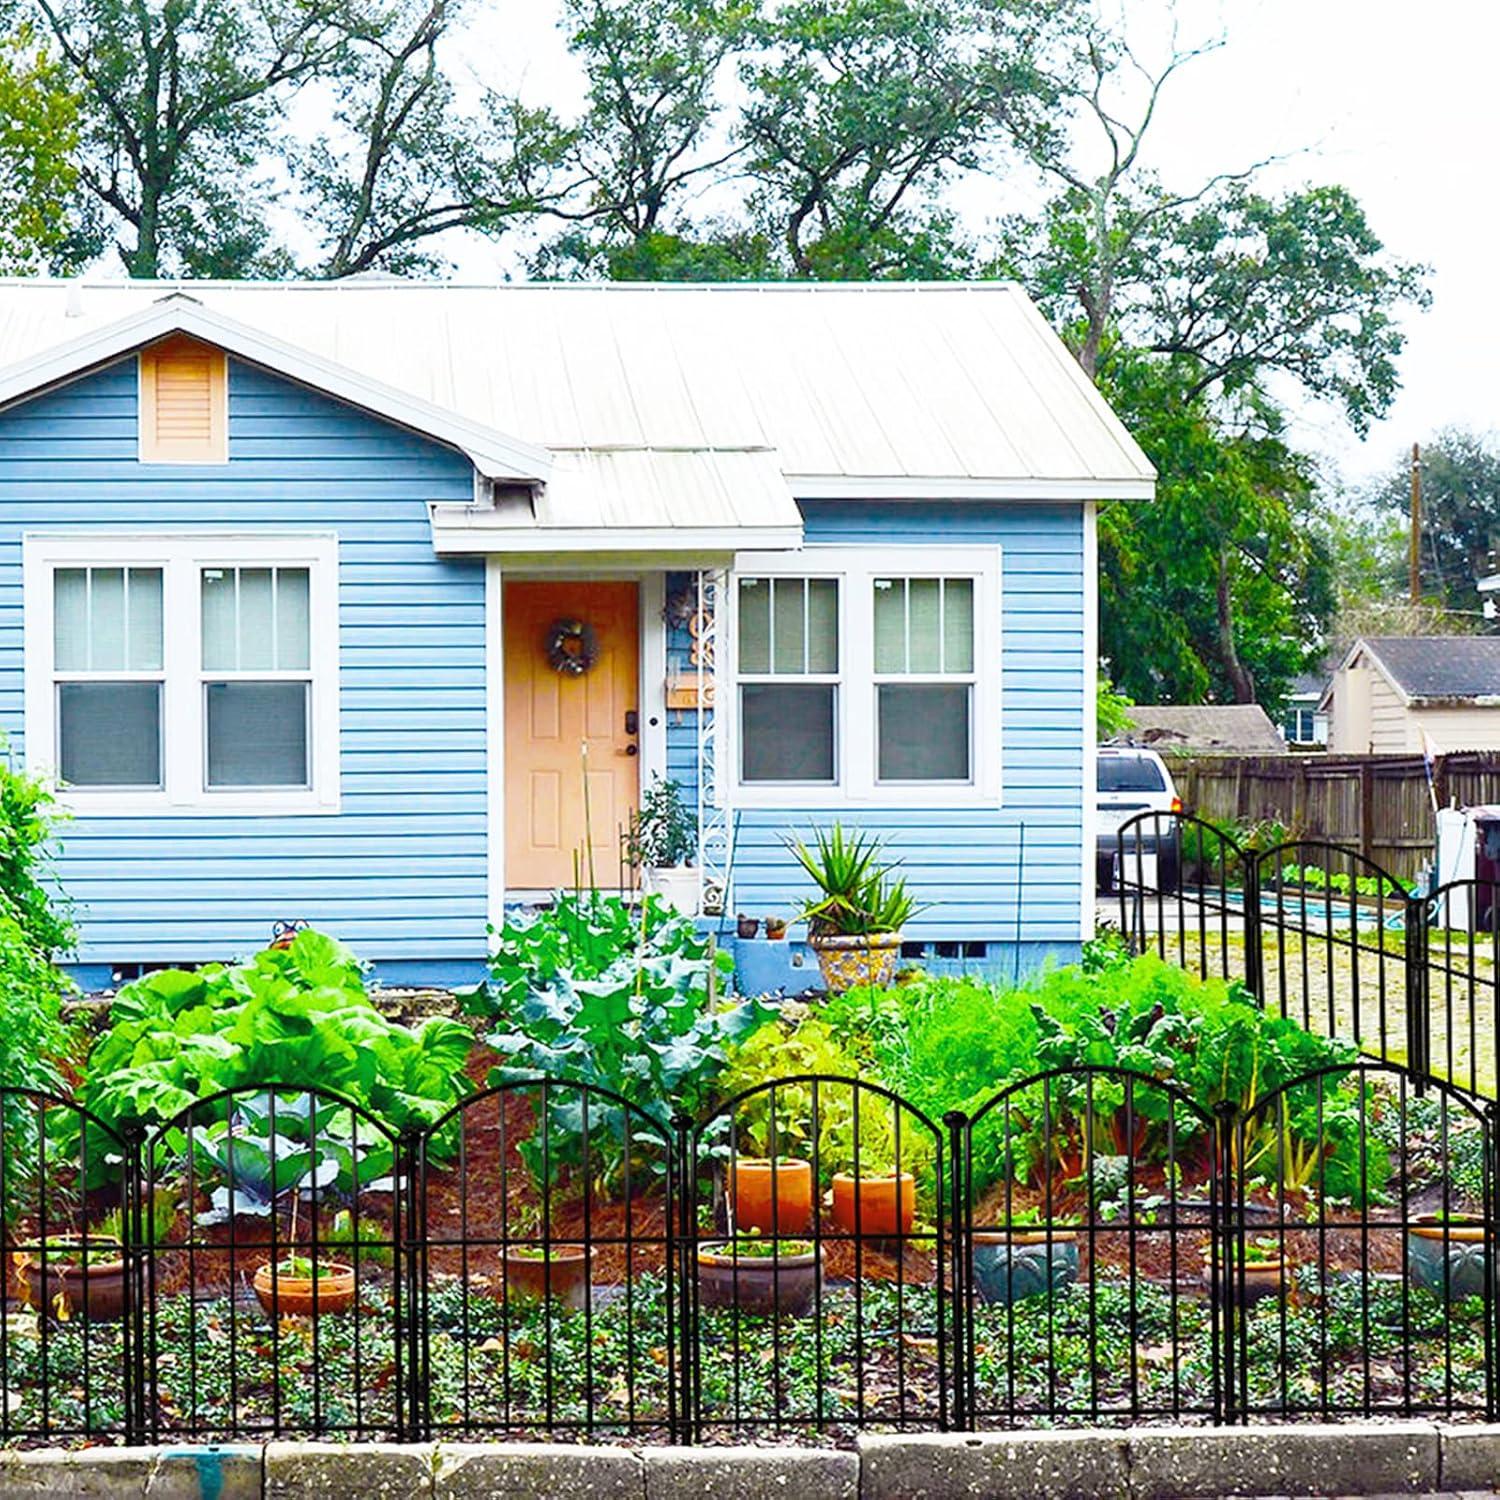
(867, 675)
(191, 673)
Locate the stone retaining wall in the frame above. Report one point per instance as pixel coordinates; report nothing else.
(1142, 1463)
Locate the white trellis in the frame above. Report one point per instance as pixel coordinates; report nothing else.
(713, 822)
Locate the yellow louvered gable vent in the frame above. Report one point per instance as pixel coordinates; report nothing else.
(184, 403)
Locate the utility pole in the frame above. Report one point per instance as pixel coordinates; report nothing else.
(1414, 553)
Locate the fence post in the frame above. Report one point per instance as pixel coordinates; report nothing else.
(1492, 1233)
(959, 1374)
(1418, 999)
(1226, 1266)
(413, 1416)
(682, 1395)
(133, 1316)
(1255, 980)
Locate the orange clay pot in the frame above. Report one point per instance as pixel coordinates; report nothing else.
(286, 1296)
(872, 1205)
(772, 1197)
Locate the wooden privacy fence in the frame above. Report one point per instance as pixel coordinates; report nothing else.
(1377, 804)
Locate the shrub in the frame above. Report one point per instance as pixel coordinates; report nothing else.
(28, 819)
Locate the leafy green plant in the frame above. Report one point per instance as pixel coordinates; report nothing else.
(1340, 882)
(749, 1247)
(857, 894)
(297, 1016)
(663, 832)
(29, 818)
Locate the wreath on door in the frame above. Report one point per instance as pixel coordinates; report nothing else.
(572, 647)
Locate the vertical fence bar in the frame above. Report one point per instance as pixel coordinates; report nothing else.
(409, 1263)
(1225, 1249)
(1418, 1014)
(684, 1414)
(957, 1377)
(132, 1317)
(1255, 977)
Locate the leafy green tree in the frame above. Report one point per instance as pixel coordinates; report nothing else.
(1460, 513)
(649, 140)
(179, 105)
(38, 135)
(403, 165)
(861, 112)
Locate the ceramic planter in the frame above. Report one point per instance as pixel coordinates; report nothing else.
(95, 1292)
(772, 1198)
(1446, 1257)
(285, 1295)
(1011, 1266)
(847, 963)
(1262, 1278)
(747, 927)
(874, 1204)
(775, 929)
(561, 1272)
(765, 1285)
(677, 885)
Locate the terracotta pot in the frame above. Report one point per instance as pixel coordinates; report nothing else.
(1011, 1266)
(562, 1272)
(286, 1296)
(774, 1198)
(1446, 1257)
(1262, 1278)
(95, 1292)
(764, 1285)
(872, 1205)
(775, 930)
(849, 962)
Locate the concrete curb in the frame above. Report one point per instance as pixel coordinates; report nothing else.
(1141, 1463)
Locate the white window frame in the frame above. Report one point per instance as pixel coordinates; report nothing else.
(856, 703)
(182, 558)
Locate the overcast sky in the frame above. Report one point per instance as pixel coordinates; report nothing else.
(1397, 102)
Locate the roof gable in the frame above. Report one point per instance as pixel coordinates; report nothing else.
(494, 454)
(1433, 668)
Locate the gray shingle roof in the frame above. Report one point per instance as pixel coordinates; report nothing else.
(1441, 666)
(1226, 728)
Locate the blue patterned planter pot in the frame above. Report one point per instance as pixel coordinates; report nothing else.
(1010, 1267)
(1446, 1258)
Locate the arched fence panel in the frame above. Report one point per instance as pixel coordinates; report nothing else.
(1091, 1199)
(546, 1286)
(1321, 935)
(270, 1236)
(1179, 886)
(69, 1337)
(814, 1250)
(1364, 1253)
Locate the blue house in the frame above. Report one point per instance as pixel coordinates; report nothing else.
(377, 604)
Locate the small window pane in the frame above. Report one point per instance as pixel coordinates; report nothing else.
(109, 733)
(924, 732)
(789, 622)
(890, 625)
(107, 620)
(143, 616)
(958, 625)
(256, 621)
(924, 625)
(220, 634)
(823, 625)
(787, 731)
(755, 625)
(257, 734)
(293, 620)
(70, 616)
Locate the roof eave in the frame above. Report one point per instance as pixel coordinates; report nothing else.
(940, 487)
(494, 454)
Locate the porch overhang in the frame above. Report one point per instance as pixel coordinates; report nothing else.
(659, 502)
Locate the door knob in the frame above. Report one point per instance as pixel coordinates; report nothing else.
(632, 749)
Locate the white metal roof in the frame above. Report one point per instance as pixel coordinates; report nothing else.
(901, 390)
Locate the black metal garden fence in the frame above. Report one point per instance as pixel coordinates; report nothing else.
(1320, 933)
(1089, 1245)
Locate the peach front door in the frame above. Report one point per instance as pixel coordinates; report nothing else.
(561, 729)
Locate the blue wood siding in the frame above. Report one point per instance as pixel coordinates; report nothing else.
(399, 872)
(970, 864)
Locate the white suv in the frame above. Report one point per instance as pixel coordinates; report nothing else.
(1131, 782)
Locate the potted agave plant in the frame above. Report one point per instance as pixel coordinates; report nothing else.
(1025, 1259)
(1446, 1254)
(758, 1275)
(854, 922)
(661, 844)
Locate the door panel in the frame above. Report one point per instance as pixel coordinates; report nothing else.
(562, 732)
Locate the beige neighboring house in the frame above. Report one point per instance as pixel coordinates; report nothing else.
(1388, 689)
